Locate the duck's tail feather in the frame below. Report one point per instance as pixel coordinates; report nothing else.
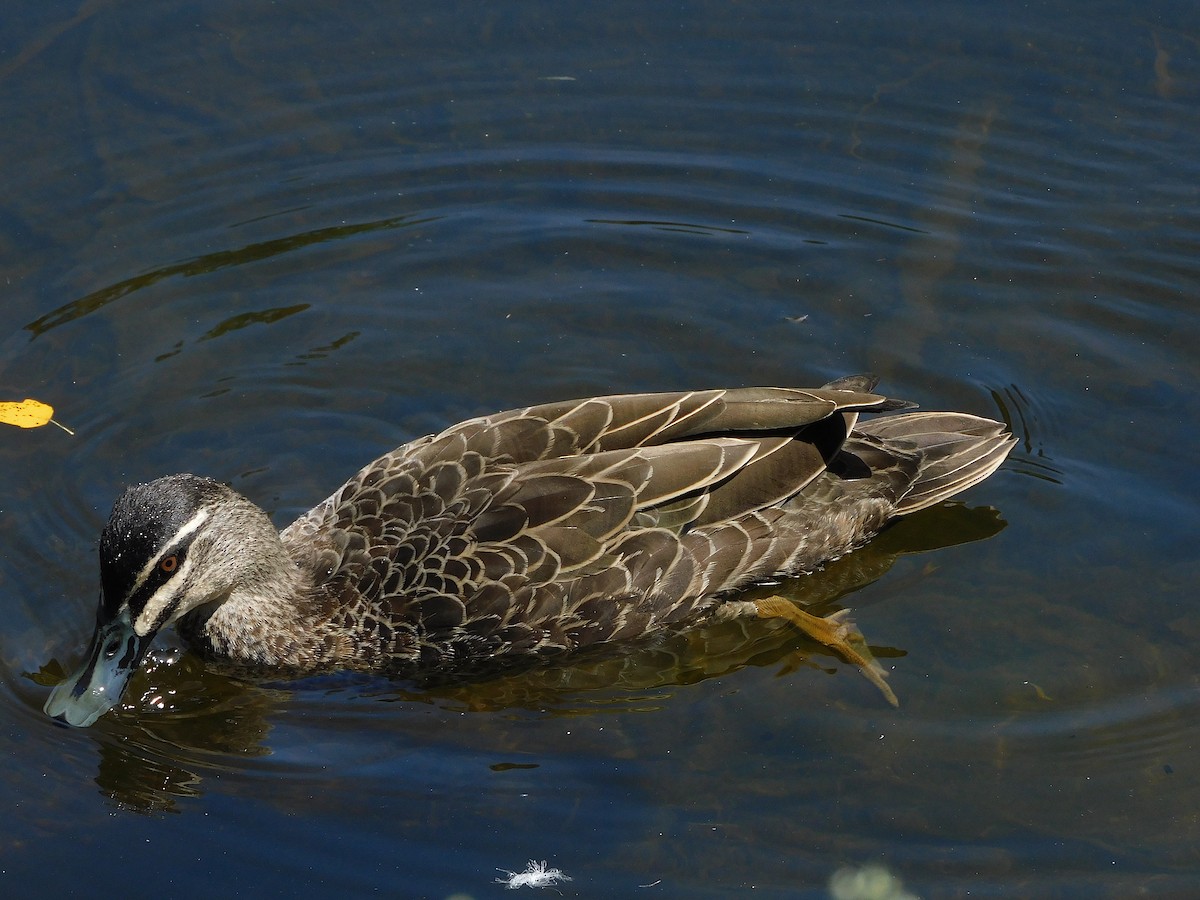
(956, 451)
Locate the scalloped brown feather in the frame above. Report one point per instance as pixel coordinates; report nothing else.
(571, 525)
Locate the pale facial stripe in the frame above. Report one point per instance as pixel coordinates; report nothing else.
(161, 600)
(158, 602)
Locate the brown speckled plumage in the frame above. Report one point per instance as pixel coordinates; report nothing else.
(539, 531)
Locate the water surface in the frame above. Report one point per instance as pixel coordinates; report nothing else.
(267, 242)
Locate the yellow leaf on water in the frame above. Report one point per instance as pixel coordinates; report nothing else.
(26, 414)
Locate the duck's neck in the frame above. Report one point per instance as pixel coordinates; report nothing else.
(268, 618)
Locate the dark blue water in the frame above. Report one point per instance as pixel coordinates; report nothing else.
(267, 242)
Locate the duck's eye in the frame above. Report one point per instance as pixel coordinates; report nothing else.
(169, 564)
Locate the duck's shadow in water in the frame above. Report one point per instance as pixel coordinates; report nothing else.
(182, 718)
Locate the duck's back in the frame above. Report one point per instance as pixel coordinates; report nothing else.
(567, 525)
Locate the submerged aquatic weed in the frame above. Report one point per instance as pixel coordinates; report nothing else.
(871, 882)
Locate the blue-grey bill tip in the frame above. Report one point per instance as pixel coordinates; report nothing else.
(97, 686)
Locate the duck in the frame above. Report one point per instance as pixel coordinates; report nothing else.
(526, 536)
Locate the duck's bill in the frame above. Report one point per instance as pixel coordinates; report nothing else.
(97, 687)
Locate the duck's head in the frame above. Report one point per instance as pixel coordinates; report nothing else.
(170, 546)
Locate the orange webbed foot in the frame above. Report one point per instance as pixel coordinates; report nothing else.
(836, 632)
